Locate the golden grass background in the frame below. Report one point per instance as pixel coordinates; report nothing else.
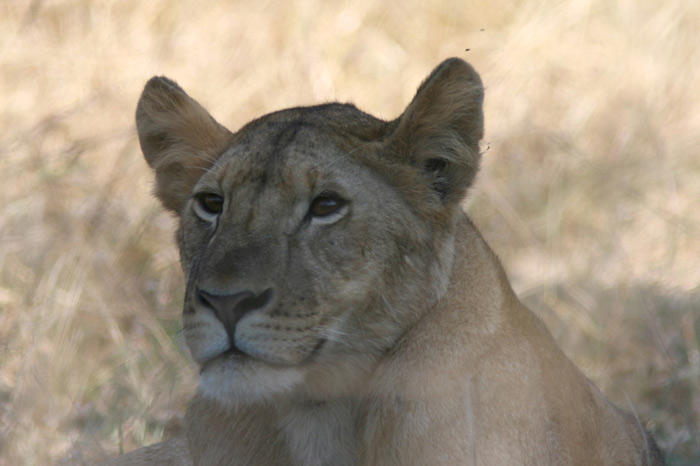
(589, 191)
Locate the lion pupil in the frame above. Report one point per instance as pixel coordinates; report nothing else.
(213, 203)
(324, 206)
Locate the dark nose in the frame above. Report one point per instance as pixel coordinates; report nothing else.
(230, 308)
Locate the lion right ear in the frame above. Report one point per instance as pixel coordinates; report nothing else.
(439, 132)
(179, 139)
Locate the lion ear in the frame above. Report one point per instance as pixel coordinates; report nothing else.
(440, 130)
(179, 139)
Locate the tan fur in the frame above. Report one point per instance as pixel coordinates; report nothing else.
(389, 334)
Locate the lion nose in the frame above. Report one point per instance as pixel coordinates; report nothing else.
(229, 308)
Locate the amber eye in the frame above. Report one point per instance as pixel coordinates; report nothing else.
(210, 203)
(326, 204)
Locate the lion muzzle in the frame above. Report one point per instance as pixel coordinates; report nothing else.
(230, 308)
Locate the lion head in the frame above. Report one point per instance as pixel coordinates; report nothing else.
(312, 238)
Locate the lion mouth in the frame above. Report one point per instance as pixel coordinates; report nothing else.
(232, 353)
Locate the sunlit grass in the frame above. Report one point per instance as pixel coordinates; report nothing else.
(589, 188)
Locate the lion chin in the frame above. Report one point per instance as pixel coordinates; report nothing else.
(231, 380)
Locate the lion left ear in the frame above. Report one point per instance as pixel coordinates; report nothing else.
(440, 130)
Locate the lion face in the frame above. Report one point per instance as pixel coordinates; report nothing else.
(312, 238)
(281, 244)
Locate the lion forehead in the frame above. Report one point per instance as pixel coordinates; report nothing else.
(292, 159)
(309, 129)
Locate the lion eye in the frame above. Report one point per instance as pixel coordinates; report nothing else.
(210, 203)
(326, 204)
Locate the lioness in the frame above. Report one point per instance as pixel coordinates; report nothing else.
(342, 307)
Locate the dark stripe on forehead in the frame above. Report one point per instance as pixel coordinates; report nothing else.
(284, 138)
(274, 150)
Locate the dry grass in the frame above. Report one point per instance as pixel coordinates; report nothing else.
(589, 190)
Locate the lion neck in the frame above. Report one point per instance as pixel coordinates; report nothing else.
(478, 300)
